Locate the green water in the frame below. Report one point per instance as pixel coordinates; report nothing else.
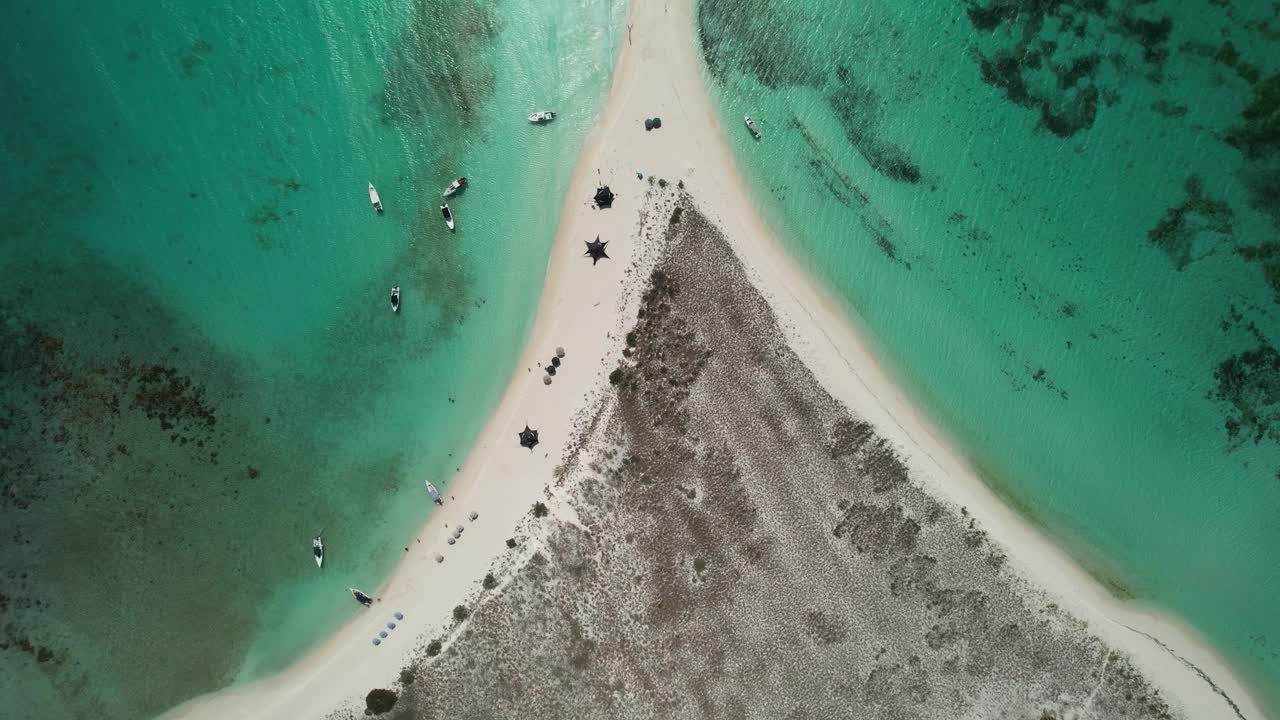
(1061, 224)
(199, 367)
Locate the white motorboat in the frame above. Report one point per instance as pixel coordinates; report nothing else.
(360, 597)
(395, 299)
(448, 216)
(435, 494)
(542, 116)
(317, 549)
(373, 198)
(454, 187)
(751, 125)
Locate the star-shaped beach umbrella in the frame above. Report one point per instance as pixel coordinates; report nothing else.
(528, 437)
(595, 251)
(604, 196)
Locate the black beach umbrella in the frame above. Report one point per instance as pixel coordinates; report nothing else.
(595, 251)
(657, 123)
(528, 438)
(604, 196)
(648, 124)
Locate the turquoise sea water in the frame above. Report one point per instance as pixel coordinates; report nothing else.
(1061, 224)
(199, 368)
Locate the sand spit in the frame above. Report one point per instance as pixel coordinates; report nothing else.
(723, 538)
(743, 546)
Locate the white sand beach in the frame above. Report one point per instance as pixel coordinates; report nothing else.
(583, 309)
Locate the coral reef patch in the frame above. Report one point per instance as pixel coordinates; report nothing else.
(1046, 56)
(1198, 215)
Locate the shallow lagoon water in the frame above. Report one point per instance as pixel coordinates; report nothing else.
(200, 368)
(1058, 224)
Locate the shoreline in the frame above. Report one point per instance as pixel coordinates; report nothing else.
(1076, 552)
(865, 384)
(323, 679)
(500, 480)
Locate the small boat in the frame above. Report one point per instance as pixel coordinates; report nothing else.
(373, 198)
(317, 549)
(542, 116)
(448, 216)
(751, 125)
(395, 299)
(454, 187)
(360, 597)
(435, 494)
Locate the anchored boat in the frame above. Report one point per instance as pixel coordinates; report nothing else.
(317, 549)
(454, 187)
(435, 494)
(373, 198)
(542, 116)
(360, 597)
(395, 299)
(448, 216)
(751, 125)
